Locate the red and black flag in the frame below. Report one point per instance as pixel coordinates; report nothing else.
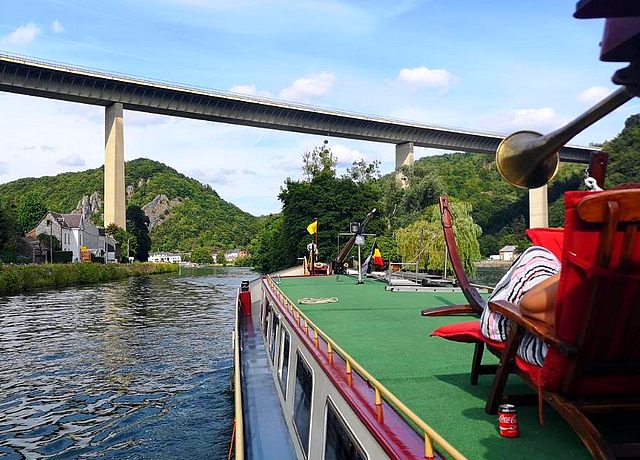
(375, 256)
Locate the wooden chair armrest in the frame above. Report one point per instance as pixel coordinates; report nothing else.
(538, 328)
(450, 310)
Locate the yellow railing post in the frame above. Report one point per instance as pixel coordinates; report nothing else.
(378, 397)
(348, 366)
(428, 447)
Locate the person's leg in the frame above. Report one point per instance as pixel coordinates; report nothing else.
(534, 265)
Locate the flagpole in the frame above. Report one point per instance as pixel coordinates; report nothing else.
(316, 251)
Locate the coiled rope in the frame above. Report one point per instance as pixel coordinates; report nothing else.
(317, 300)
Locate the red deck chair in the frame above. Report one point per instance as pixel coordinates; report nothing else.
(469, 331)
(593, 365)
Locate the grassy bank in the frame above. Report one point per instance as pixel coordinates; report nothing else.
(19, 278)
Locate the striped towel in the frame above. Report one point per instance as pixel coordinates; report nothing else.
(533, 266)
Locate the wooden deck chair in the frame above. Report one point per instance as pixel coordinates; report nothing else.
(593, 364)
(469, 331)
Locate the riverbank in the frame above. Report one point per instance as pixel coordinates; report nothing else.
(19, 278)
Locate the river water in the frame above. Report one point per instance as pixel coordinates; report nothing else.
(132, 369)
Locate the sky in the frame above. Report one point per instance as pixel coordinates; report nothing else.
(490, 65)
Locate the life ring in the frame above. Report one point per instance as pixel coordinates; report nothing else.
(318, 265)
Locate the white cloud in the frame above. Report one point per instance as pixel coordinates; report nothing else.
(594, 94)
(249, 90)
(420, 77)
(542, 120)
(209, 177)
(310, 87)
(43, 148)
(57, 27)
(138, 119)
(23, 35)
(71, 160)
(346, 156)
(538, 117)
(4, 167)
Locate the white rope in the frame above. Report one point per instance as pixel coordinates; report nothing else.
(591, 184)
(317, 300)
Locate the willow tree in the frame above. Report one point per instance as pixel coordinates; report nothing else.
(423, 240)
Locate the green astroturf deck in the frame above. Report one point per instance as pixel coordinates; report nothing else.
(386, 334)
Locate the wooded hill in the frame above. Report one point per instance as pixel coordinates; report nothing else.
(199, 218)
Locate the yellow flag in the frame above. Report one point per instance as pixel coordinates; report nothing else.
(312, 228)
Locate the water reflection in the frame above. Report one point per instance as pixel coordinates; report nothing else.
(133, 369)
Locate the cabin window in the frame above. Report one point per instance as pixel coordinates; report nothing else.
(339, 441)
(302, 403)
(283, 370)
(273, 338)
(267, 310)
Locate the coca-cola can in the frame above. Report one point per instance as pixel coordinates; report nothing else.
(508, 421)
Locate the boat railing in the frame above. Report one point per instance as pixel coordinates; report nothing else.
(431, 436)
(397, 270)
(238, 424)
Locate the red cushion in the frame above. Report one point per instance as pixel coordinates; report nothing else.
(468, 332)
(530, 370)
(574, 293)
(592, 385)
(549, 238)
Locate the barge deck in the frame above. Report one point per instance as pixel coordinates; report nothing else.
(385, 333)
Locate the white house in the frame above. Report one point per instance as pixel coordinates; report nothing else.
(75, 231)
(507, 252)
(166, 257)
(231, 256)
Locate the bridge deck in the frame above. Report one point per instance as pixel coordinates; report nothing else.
(56, 81)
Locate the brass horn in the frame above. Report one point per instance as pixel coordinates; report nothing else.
(528, 159)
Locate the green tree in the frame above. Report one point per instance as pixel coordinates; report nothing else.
(221, 259)
(267, 248)
(335, 202)
(423, 240)
(489, 245)
(319, 161)
(362, 172)
(123, 237)
(242, 262)
(8, 230)
(31, 210)
(138, 228)
(201, 256)
(624, 155)
(48, 241)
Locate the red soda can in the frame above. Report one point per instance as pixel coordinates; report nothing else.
(508, 421)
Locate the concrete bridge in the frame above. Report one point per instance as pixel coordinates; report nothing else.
(117, 92)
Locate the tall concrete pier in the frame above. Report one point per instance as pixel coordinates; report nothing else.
(404, 157)
(114, 193)
(538, 207)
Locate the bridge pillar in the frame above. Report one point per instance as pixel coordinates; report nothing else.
(404, 157)
(538, 207)
(114, 193)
